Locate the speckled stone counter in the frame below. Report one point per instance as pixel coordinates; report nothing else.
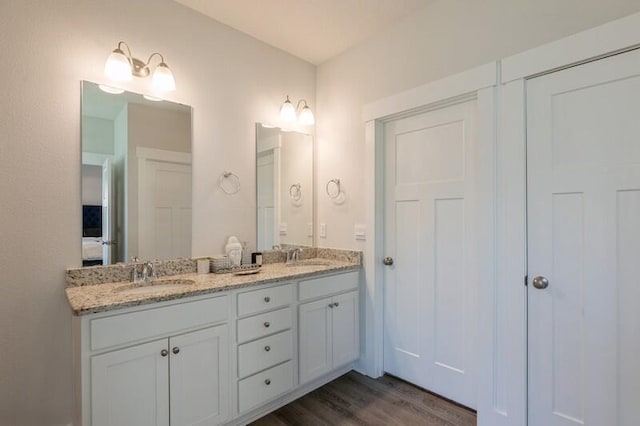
(88, 292)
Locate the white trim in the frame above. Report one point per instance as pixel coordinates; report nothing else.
(449, 87)
(618, 35)
(143, 153)
(94, 159)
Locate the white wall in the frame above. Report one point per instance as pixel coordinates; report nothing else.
(91, 185)
(445, 38)
(231, 80)
(97, 135)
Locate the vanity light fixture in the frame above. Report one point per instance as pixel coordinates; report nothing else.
(288, 112)
(121, 66)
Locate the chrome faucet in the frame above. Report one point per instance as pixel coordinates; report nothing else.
(148, 272)
(293, 255)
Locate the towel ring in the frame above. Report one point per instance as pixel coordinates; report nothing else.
(334, 190)
(229, 183)
(295, 192)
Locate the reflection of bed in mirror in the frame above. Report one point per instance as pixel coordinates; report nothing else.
(91, 235)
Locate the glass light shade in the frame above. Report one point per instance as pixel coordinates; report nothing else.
(287, 111)
(306, 117)
(118, 67)
(110, 89)
(162, 78)
(152, 98)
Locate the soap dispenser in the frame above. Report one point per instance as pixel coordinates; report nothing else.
(234, 250)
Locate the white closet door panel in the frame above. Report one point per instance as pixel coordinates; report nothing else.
(583, 178)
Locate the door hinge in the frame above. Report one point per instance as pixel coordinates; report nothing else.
(526, 280)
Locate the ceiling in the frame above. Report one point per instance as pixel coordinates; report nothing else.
(314, 30)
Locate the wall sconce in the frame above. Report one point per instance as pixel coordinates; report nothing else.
(288, 113)
(122, 67)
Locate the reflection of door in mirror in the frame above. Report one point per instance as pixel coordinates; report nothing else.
(284, 195)
(136, 177)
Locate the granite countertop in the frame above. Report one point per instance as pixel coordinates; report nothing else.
(88, 299)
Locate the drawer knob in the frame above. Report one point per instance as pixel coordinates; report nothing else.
(267, 299)
(164, 352)
(267, 348)
(267, 324)
(267, 382)
(176, 350)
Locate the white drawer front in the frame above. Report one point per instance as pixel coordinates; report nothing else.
(325, 286)
(264, 386)
(125, 328)
(263, 324)
(264, 353)
(255, 301)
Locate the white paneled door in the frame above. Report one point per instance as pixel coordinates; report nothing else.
(583, 162)
(430, 289)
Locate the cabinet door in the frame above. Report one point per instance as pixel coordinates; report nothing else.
(315, 339)
(345, 326)
(131, 386)
(199, 377)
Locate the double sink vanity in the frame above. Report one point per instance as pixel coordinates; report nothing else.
(209, 349)
(181, 348)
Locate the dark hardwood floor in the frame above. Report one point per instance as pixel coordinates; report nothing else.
(354, 399)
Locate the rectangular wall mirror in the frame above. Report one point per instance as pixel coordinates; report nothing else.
(136, 177)
(284, 188)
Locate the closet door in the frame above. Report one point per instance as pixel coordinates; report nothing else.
(583, 166)
(430, 289)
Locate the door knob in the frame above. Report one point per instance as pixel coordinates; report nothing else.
(540, 282)
(164, 352)
(387, 261)
(176, 350)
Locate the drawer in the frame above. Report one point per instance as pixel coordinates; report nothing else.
(255, 301)
(149, 323)
(263, 324)
(264, 353)
(264, 386)
(325, 286)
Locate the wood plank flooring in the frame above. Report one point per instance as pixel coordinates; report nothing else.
(354, 399)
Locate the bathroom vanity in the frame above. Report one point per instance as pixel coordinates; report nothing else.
(210, 349)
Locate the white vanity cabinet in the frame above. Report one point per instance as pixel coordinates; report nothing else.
(160, 366)
(329, 325)
(265, 344)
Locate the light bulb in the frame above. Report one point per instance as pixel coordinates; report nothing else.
(118, 67)
(306, 116)
(287, 111)
(162, 78)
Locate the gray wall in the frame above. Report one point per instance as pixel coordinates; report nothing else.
(230, 79)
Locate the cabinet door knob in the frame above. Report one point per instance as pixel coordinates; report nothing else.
(336, 304)
(387, 261)
(267, 299)
(164, 352)
(331, 305)
(267, 324)
(267, 348)
(267, 382)
(540, 283)
(176, 350)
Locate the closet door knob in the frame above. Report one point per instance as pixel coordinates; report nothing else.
(336, 304)
(164, 352)
(267, 324)
(176, 350)
(387, 261)
(267, 299)
(540, 283)
(267, 348)
(267, 382)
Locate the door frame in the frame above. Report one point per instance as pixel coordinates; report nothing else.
(479, 84)
(502, 385)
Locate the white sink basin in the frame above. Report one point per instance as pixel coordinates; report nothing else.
(154, 286)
